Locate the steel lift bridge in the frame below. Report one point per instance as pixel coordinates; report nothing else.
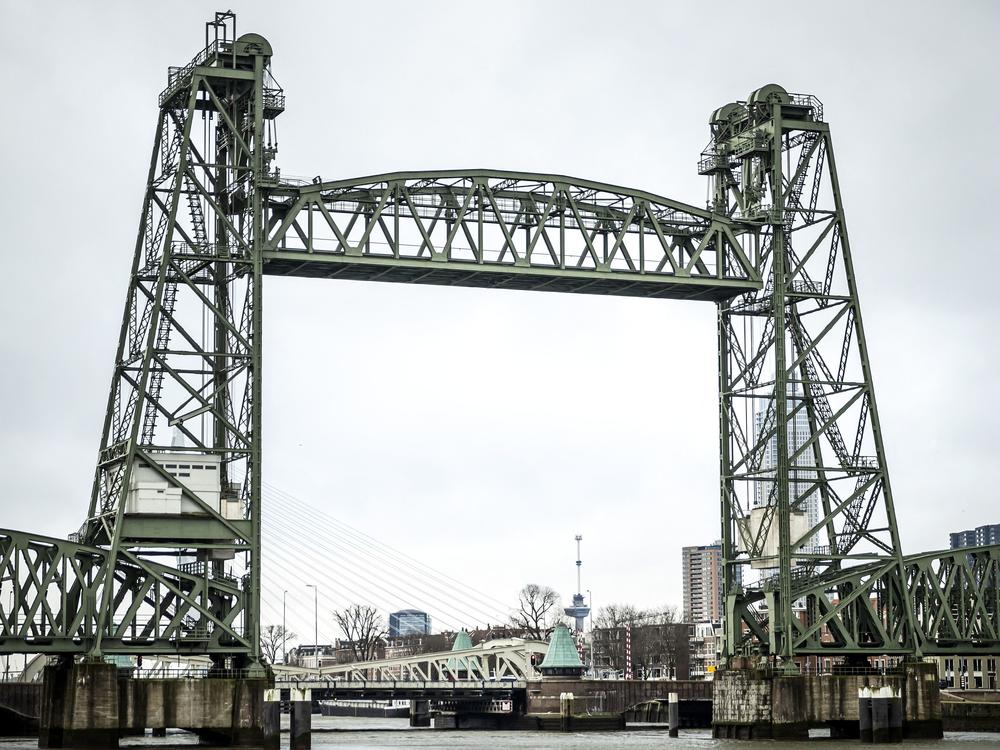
(168, 557)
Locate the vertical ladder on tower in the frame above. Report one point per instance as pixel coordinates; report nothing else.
(200, 242)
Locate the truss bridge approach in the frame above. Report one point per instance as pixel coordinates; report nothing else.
(167, 558)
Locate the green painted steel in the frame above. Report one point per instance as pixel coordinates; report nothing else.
(158, 608)
(507, 230)
(155, 608)
(812, 558)
(189, 356)
(806, 498)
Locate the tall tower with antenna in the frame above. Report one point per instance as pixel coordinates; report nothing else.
(579, 610)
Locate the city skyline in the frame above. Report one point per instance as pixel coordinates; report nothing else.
(979, 536)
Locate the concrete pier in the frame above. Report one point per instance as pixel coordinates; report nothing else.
(79, 706)
(751, 704)
(89, 705)
(895, 717)
(272, 719)
(300, 727)
(880, 715)
(420, 713)
(674, 715)
(865, 714)
(566, 711)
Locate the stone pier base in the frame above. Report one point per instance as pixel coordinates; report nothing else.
(79, 706)
(749, 704)
(88, 705)
(300, 719)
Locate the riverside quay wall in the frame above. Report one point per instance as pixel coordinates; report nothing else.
(750, 704)
(611, 696)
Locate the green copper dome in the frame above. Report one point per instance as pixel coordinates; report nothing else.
(562, 659)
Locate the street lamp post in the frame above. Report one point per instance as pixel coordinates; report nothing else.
(284, 632)
(315, 589)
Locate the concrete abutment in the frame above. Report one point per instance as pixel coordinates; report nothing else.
(750, 704)
(90, 705)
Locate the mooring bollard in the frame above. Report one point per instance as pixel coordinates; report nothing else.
(674, 713)
(880, 715)
(301, 719)
(272, 718)
(895, 714)
(865, 714)
(566, 711)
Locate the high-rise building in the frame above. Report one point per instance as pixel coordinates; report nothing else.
(409, 622)
(977, 537)
(798, 435)
(703, 583)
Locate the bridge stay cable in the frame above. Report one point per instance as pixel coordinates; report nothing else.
(399, 593)
(291, 504)
(401, 589)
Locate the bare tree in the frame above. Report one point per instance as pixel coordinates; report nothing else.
(662, 615)
(539, 611)
(364, 628)
(659, 640)
(617, 615)
(272, 641)
(610, 625)
(656, 638)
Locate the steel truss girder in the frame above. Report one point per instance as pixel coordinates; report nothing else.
(953, 607)
(495, 659)
(57, 586)
(506, 230)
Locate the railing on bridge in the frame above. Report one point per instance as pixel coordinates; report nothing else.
(506, 230)
(490, 662)
(158, 609)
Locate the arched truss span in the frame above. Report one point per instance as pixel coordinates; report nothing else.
(512, 230)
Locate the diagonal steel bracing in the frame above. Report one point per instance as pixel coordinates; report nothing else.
(506, 230)
(59, 585)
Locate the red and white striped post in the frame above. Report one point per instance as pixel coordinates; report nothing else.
(628, 653)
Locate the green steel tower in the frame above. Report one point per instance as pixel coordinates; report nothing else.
(797, 346)
(186, 386)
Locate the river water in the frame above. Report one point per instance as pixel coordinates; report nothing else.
(358, 733)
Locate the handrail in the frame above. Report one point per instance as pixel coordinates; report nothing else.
(176, 74)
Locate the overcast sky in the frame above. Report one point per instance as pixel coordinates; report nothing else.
(477, 430)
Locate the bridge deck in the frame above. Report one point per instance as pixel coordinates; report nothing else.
(405, 689)
(336, 266)
(507, 230)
